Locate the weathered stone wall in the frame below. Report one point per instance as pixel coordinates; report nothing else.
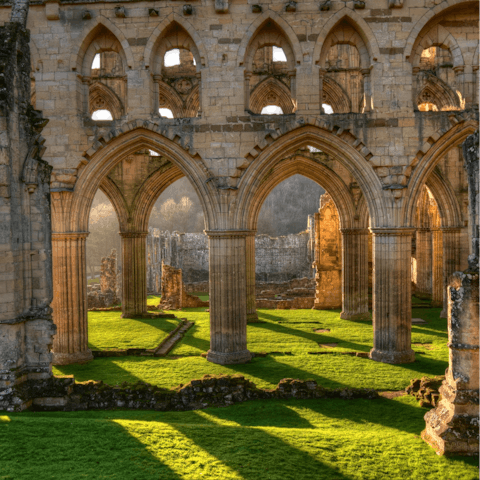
(328, 256)
(105, 295)
(26, 327)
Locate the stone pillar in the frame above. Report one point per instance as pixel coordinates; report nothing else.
(134, 274)
(392, 301)
(452, 427)
(228, 306)
(437, 267)
(424, 262)
(451, 260)
(70, 344)
(250, 277)
(321, 76)
(355, 274)
(367, 89)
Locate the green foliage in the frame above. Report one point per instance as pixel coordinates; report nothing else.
(274, 440)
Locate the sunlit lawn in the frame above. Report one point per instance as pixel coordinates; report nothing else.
(107, 330)
(284, 331)
(275, 440)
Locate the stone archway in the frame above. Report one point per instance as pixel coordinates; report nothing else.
(70, 212)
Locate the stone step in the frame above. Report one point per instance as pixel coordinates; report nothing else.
(173, 338)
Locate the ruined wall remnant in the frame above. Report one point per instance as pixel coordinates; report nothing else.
(174, 295)
(453, 426)
(26, 326)
(328, 253)
(105, 294)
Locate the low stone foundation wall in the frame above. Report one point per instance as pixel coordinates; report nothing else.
(64, 394)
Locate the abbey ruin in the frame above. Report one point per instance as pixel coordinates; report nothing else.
(375, 100)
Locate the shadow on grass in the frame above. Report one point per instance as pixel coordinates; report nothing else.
(314, 337)
(192, 341)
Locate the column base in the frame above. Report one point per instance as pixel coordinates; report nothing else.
(408, 356)
(252, 317)
(135, 315)
(232, 358)
(449, 433)
(69, 358)
(355, 316)
(444, 314)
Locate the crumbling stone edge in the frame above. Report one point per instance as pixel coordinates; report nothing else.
(64, 394)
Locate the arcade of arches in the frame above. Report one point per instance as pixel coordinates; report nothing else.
(403, 86)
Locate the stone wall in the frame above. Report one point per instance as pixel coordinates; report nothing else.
(105, 294)
(26, 327)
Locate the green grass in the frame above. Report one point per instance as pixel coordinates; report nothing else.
(294, 335)
(107, 330)
(91, 281)
(275, 440)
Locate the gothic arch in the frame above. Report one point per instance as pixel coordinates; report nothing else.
(148, 195)
(102, 97)
(78, 62)
(436, 11)
(420, 175)
(255, 27)
(437, 36)
(358, 24)
(271, 92)
(447, 203)
(116, 198)
(286, 145)
(199, 52)
(319, 173)
(104, 159)
(168, 98)
(335, 95)
(439, 93)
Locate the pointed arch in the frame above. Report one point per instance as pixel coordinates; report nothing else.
(192, 103)
(255, 27)
(101, 97)
(319, 173)
(309, 135)
(279, 93)
(455, 136)
(437, 11)
(77, 59)
(358, 24)
(110, 189)
(336, 96)
(437, 36)
(436, 91)
(168, 98)
(200, 53)
(104, 159)
(444, 196)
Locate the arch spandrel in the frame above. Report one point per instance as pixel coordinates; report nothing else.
(285, 146)
(422, 172)
(105, 159)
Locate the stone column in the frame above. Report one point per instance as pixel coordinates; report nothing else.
(451, 260)
(424, 262)
(228, 306)
(392, 301)
(437, 267)
(70, 344)
(452, 427)
(321, 76)
(367, 89)
(250, 277)
(355, 274)
(134, 274)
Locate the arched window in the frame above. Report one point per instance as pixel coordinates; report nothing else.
(270, 71)
(175, 68)
(165, 112)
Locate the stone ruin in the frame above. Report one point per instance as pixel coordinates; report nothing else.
(174, 295)
(105, 294)
(452, 427)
